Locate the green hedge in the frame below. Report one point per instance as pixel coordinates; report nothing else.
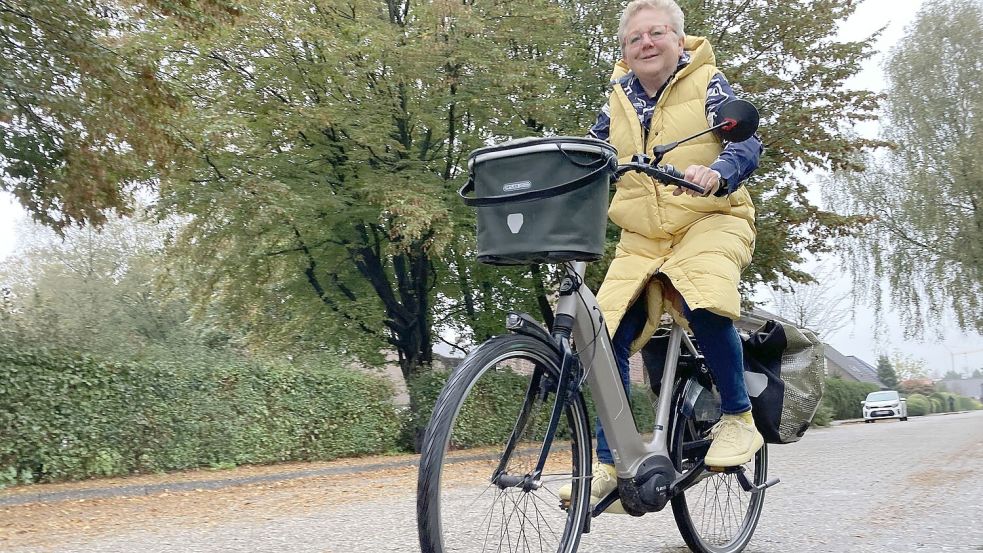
(939, 402)
(493, 409)
(842, 398)
(964, 403)
(918, 405)
(69, 416)
(824, 415)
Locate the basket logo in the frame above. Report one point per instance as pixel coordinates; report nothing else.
(516, 186)
(514, 221)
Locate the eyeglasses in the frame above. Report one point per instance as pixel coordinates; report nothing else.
(656, 33)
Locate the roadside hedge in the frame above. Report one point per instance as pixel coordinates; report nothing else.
(964, 403)
(66, 416)
(842, 398)
(493, 408)
(70, 416)
(918, 405)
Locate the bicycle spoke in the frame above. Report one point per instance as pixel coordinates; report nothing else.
(475, 514)
(715, 514)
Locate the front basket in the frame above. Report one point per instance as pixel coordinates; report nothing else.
(541, 200)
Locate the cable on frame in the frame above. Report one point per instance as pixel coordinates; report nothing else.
(596, 329)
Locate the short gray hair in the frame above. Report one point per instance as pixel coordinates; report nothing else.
(668, 7)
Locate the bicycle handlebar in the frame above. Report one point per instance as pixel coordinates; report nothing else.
(666, 174)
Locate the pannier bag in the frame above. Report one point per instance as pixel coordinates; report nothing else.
(785, 371)
(541, 200)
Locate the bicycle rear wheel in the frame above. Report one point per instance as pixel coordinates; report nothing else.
(715, 515)
(466, 502)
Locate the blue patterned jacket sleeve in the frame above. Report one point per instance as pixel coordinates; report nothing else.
(739, 159)
(602, 128)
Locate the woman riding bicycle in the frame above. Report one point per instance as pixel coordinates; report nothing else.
(680, 251)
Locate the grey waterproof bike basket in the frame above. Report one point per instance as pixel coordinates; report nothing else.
(541, 200)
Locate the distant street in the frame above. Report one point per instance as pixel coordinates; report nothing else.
(890, 486)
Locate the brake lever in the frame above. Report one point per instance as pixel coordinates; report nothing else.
(666, 174)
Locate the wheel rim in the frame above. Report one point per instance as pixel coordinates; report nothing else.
(479, 515)
(715, 515)
(723, 515)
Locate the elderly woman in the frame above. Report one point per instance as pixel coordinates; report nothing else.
(680, 251)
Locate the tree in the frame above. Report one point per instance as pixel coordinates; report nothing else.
(925, 196)
(332, 136)
(907, 367)
(885, 372)
(783, 57)
(83, 114)
(952, 375)
(916, 386)
(329, 137)
(93, 291)
(380, 105)
(818, 305)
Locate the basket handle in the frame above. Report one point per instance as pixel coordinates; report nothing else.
(578, 163)
(550, 192)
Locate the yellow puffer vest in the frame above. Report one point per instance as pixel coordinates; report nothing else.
(700, 244)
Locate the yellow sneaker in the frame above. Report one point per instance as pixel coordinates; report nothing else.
(735, 441)
(604, 482)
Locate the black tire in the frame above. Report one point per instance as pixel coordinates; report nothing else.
(715, 515)
(904, 419)
(459, 507)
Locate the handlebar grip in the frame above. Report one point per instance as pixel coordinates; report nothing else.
(666, 174)
(673, 171)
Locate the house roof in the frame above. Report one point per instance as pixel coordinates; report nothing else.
(757, 317)
(856, 367)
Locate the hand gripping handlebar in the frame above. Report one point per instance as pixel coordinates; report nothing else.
(666, 174)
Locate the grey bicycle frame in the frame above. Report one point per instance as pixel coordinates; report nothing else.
(628, 447)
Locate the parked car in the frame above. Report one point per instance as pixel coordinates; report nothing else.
(886, 404)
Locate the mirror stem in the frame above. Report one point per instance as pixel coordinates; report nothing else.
(662, 150)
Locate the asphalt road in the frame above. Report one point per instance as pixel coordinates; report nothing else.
(890, 486)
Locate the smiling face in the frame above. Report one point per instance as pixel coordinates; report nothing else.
(652, 48)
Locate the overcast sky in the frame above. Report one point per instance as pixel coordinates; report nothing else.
(857, 338)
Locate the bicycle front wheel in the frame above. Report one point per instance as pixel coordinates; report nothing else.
(715, 515)
(483, 441)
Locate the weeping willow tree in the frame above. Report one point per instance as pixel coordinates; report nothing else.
(924, 197)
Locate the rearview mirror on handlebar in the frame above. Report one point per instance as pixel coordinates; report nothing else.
(738, 120)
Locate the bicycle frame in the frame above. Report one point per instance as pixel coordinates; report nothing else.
(628, 447)
(632, 454)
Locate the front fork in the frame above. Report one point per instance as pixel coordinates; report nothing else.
(566, 385)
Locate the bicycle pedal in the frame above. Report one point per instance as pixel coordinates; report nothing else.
(749, 486)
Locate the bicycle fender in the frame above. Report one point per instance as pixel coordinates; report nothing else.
(523, 323)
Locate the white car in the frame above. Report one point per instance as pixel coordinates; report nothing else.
(886, 404)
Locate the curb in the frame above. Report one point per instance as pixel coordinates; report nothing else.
(855, 421)
(214, 484)
(198, 485)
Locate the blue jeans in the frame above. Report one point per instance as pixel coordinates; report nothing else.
(721, 348)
